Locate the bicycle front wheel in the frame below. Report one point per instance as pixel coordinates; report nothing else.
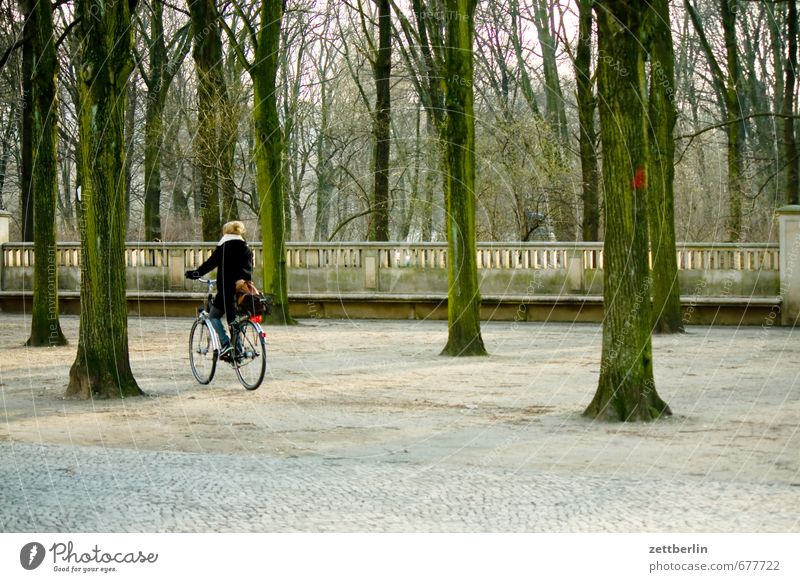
(202, 355)
(250, 361)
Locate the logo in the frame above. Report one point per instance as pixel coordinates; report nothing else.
(31, 555)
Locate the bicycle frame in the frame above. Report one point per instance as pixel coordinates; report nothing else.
(204, 315)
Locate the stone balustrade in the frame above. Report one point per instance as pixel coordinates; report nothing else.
(765, 273)
(516, 269)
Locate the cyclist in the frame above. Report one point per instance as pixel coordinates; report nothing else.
(233, 260)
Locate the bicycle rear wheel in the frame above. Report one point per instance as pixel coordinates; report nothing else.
(250, 360)
(202, 355)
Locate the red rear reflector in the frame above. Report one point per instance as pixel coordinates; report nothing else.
(255, 318)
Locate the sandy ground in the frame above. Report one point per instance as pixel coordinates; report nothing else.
(377, 389)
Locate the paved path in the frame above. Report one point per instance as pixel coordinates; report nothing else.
(77, 489)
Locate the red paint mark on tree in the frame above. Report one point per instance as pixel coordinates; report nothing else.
(639, 178)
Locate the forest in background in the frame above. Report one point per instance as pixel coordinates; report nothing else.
(731, 65)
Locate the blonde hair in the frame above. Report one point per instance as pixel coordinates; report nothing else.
(234, 227)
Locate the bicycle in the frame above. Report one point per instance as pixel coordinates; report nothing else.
(249, 354)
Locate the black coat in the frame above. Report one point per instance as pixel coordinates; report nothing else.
(233, 261)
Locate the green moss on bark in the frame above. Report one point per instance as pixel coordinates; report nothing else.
(269, 166)
(458, 132)
(102, 368)
(43, 101)
(667, 317)
(626, 389)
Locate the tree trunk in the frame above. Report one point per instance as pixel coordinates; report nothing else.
(381, 127)
(208, 61)
(726, 86)
(154, 131)
(660, 173)
(269, 166)
(736, 127)
(102, 368)
(229, 133)
(556, 113)
(67, 214)
(524, 78)
(26, 165)
(45, 326)
(587, 138)
(431, 182)
(132, 95)
(789, 137)
(463, 300)
(324, 170)
(626, 389)
(5, 153)
(154, 126)
(414, 202)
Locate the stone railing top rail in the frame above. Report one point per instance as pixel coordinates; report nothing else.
(402, 244)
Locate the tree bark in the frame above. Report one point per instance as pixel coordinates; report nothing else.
(587, 137)
(463, 299)
(5, 152)
(229, 133)
(660, 173)
(736, 127)
(154, 126)
(324, 169)
(132, 95)
(43, 101)
(789, 137)
(269, 165)
(381, 127)
(626, 389)
(26, 154)
(208, 60)
(102, 368)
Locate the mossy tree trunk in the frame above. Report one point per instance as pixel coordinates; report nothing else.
(626, 389)
(269, 164)
(381, 125)
(43, 101)
(458, 133)
(102, 368)
(734, 99)
(587, 137)
(210, 80)
(660, 174)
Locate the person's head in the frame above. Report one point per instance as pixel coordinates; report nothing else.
(234, 227)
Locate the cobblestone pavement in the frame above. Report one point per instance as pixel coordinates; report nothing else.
(83, 489)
